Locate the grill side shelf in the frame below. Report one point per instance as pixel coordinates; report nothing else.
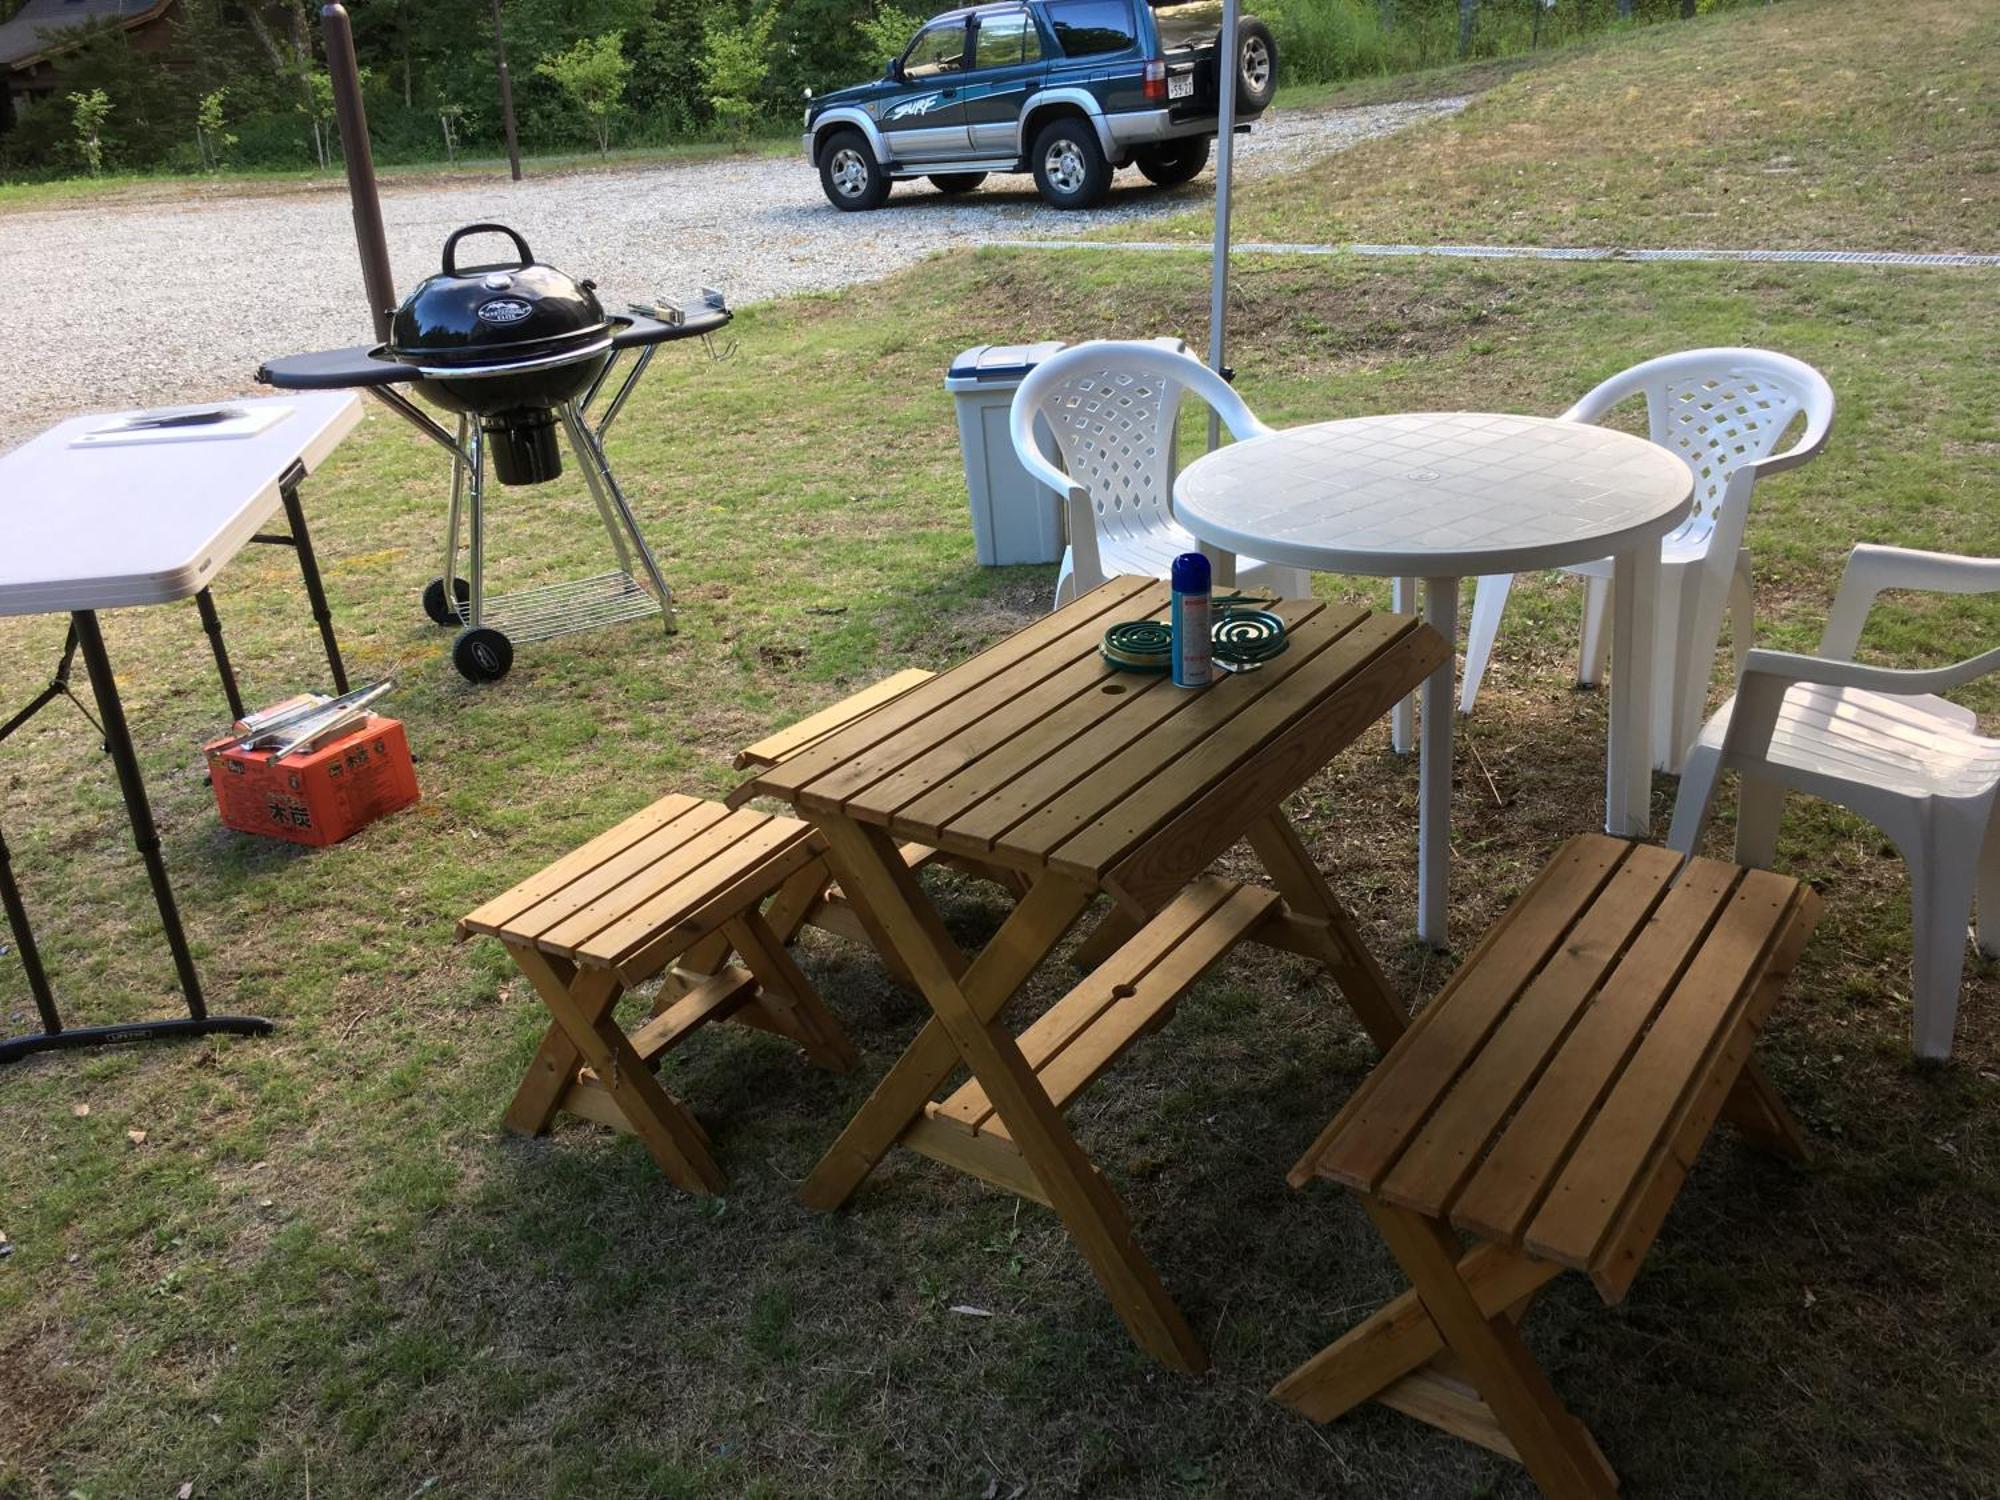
(355, 368)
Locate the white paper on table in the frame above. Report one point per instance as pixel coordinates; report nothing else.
(243, 421)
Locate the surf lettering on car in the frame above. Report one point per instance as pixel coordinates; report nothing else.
(923, 104)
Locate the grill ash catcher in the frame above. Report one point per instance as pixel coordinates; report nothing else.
(519, 353)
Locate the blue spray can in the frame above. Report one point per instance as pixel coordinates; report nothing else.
(1194, 664)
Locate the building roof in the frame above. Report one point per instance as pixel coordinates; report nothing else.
(29, 35)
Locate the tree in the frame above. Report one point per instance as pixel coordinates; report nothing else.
(211, 141)
(889, 30)
(733, 69)
(317, 107)
(451, 118)
(592, 74)
(87, 116)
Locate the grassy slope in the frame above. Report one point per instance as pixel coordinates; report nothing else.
(1815, 123)
(326, 1269)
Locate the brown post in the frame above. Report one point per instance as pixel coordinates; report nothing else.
(352, 117)
(506, 95)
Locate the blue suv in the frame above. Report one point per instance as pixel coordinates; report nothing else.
(1070, 90)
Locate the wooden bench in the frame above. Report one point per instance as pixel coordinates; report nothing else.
(1128, 996)
(1549, 1104)
(709, 893)
(622, 909)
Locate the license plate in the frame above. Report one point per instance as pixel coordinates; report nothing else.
(1180, 86)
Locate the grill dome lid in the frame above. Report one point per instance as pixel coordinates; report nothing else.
(497, 316)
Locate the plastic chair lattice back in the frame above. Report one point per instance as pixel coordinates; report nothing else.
(1717, 423)
(1114, 428)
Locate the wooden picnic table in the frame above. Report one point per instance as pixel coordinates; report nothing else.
(1037, 757)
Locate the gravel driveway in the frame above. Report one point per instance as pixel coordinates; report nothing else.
(150, 303)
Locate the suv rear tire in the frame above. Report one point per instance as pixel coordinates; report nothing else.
(1257, 67)
(1172, 163)
(957, 182)
(849, 174)
(1070, 169)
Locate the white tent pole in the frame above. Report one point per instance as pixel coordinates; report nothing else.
(1230, 68)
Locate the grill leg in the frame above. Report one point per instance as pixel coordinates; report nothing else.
(573, 424)
(309, 566)
(598, 471)
(212, 624)
(451, 524)
(477, 499)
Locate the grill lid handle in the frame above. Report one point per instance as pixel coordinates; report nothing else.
(451, 245)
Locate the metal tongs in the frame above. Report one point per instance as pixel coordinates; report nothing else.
(306, 720)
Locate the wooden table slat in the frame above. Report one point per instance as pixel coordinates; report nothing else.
(1150, 783)
(1102, 711)
(846, 747)
(1052, 801)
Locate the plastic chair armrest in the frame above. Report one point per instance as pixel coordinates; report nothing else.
(1873, 570)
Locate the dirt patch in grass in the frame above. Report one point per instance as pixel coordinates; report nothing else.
(41, 1402)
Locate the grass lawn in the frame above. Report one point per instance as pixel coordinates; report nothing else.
(1809, 124)
(326, 1270)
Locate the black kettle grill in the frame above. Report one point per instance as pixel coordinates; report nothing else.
(517, 351)
(508, 344)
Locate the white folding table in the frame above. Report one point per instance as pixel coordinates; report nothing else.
(96, 515)
(1443, 496)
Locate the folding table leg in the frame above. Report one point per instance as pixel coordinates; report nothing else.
(582, 1008)
(295, 514)
(118, 739)
(1014, 953)
(1076, 1190)
(211, 624)
(1362, 983)
(1551, 1443)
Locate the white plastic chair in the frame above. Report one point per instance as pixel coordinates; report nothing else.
(1111, 406)
(1876, 741)
(1722, 411)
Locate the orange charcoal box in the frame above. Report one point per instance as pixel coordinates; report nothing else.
(317, 796)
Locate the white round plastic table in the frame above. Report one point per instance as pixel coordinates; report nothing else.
(1443, 496)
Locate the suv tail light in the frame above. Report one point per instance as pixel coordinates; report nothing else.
(1156, 80)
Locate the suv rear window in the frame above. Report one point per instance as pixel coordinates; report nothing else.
(1086, 28)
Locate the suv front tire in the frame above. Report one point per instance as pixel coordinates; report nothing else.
(1070, 169)
(849, 174)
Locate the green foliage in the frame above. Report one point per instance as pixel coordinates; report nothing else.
(422, 55)
(88, 113)
(889, 30)
(212, 141)
(734, 67)
(1320, 40)
(592, 74)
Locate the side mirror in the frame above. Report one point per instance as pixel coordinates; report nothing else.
(894, 71)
